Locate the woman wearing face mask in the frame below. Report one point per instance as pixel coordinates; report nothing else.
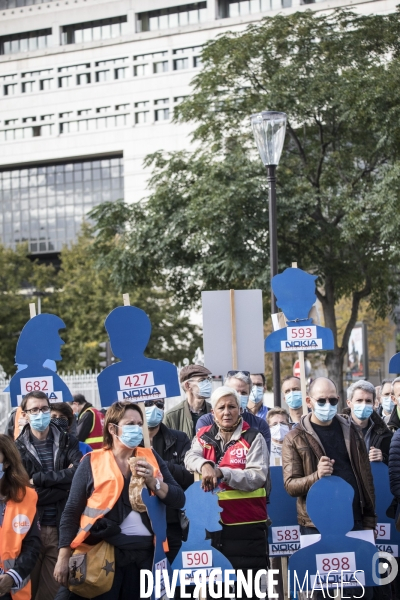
(63, 417)
(172, 446)
(19, 533)
(101, 486)
(278, 421)
(233, 459)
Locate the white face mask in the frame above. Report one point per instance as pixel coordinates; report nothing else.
(279, 431)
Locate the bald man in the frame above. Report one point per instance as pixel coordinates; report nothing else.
(325, 444)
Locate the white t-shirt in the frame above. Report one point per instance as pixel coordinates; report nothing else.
(133, 525)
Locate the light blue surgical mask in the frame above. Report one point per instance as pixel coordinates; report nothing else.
(1, 471)
(41, 421)
(205, 388)
(154, 415)
(131, 436)
(243, 401)
(362, 411)
(387, 403)
(294, 399)
(256, 394)
(326, 412)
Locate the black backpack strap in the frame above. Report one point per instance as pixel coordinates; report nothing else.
(250, 435)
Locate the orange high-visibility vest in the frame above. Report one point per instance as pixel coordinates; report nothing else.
(108, 483)
(18, 415)
(18, 519)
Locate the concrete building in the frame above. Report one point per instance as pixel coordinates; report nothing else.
(87, 90)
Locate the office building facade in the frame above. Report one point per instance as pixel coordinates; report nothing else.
(88, 89)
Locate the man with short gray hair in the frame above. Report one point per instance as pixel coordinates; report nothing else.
(377, 437)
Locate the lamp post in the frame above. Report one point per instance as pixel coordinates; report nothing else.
(269, 129)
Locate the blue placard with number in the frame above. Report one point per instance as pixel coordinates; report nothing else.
(294, 290)
(135, 378)
(284, 532)
(197, 554)
(330, 507)
(38, 347)
(388, 538)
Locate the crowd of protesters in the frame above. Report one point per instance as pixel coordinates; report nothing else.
(72, 472)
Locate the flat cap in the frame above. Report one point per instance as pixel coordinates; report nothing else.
(192, 371)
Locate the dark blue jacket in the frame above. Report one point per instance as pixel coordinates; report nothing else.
(394, 465)
(254, 422)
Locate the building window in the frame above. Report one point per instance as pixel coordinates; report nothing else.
(197, 62)
(161, 114)
(235, 8)
(65, 81)
(181, 63)
(120, 73)
(18, 3)
(10, 89)
(24, 42)
(142, 117)
(103, 76)
(175, 16)
(160, 67)
(140, 70)
(45, 205)
(89, 31)
(83, 79)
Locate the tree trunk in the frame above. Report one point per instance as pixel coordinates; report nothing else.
(334, 364)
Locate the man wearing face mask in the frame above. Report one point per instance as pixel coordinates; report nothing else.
(394, 419)
(196, 382)
(325, 444)
(172, 446)
(50, 457)
(377, 437)
(291, 391)
(278, 421)
(386, 404)
(255, 404)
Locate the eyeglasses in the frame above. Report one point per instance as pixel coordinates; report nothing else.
(321, 401)
(207, 378)
(158, 403)
(36, 410)
(233, 373)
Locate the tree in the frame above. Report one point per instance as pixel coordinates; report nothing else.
(84, 297)
(19, 279)
(205, 223)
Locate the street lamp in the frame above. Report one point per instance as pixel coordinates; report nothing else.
(269, 129)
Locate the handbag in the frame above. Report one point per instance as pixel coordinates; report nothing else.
(92, 574)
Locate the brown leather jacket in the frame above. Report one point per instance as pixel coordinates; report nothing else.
(301, 452)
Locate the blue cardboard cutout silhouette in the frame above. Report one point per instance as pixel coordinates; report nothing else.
(202, 510)
(330, 507)
(388, 539)
(394, 363)
(294, 290)
(136, 377)
(157, 515)
(39, 344)
(284, 533)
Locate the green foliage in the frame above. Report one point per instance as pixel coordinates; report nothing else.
(19, 277)
(205, 224)
(84, 297)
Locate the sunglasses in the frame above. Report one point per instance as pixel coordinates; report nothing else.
(158, 403)
(322, 401)
(233, 373)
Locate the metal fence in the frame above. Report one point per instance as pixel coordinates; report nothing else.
(79, 383)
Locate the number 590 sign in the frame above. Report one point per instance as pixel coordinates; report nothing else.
(199, 558)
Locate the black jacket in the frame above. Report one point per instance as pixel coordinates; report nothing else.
(381, 436)
(85, 422)
(172, 446)
(394, 466)
(52, 487)
(394, 421)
